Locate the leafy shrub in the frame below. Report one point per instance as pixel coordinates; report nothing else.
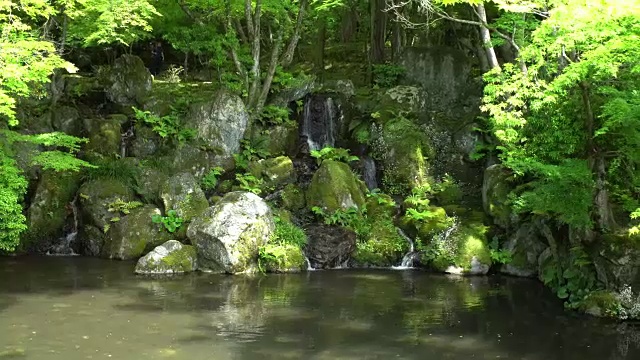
(499, 255)
(167, 127)
(121, 206)
(171, 222)
(249, 183)
(387, 75)
(249, 154)
(210, 180)
(330, 153)
(275, 115)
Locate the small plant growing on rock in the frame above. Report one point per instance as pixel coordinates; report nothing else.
(171, 222)
(499, 255)
(330, 153)
(249, 183)
(121, 206)
(275, 115)
(210, 180)
(167, 127)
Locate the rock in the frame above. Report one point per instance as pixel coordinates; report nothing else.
(228, 236)
(191, 159)
(23, 153)
(92, 240)
(304, 85)
(274, 171)
(96, 195)
(600, 303)
(220, 123)
(384, 247)
(291, 261)
(169, 258)
(525, 247)
(292, 198)
(129, 81)
(334, 187)
(134, 234)
(329, 246)
(150, 181)
(404, 152)
(462, 250)
(495, 191)
(49, 209)
(104, 136)
(146, 142)
(182, 193)
(344, 87)
(617, 261)
(67, 120)
(276, 139)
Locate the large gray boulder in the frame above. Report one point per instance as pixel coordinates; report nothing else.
(228, 235)
(525, 247)
(183, 194)
(617, 261)
(169, 258)
(129, 81)
(220, 123)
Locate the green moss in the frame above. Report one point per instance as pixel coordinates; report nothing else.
(293, 197)
(274, 172)
(383, 247)
(281, 258)
(459, 248)
(181, 260)
(380, 205)
(334, 187)
(601, 303)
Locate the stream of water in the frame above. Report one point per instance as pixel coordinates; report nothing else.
(83, 308)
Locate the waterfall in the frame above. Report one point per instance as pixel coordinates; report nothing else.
(63, 247)
(124, 140)
(309, 267)
(409, 258)
(369, 172)
(319, 122)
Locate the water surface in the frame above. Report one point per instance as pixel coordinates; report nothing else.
(83, 308)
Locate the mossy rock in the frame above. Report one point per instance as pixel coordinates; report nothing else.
(104, 136)
(49, 209)
(290, 258)
(92, 240)
(134, 235)
(274, 172)
(495, 192)
(335, 187)
(617, 260)
(601, 303)
(129, 81)
(525, 246)
(380, 205)
(183, 194)
(464, 251)
(293, 198)
(150, 182)
(172, 257)
(277, 140)
(404, 151)
(96, 195)
(425, 229)
(384, 247)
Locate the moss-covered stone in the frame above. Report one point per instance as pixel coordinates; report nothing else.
(277, 140)
(380, 205)
(104, 136)
(282, 258)
(463, 251)
(293, 198)
(383, 247)
(404, 151)
(134, 235)
(274, 171)
(96, 195)
(495, 191)
(183, 194)
(169, 258)
(601, 303)
(525, 247)
(128, 81)
(334, 187)
(49, 208)
(617, 260)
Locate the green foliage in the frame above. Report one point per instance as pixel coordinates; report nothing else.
(123, 172)
(381, 198)
(353, 218)
(330, 153)
(167, 127)
(250, 183)
(571, 279)
(387, 75)
(121, 206)
(288, 233)
(284, 249)
(499, 255)
(12, 188)
(275, 115)
(171, 222)
(249, 154)
(210, 180)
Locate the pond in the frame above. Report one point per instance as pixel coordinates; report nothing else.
(84, 308)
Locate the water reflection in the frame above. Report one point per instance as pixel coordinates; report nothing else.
(53, 308)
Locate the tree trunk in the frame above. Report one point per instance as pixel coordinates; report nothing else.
(322, 39)
(396, 40)
(253, 24)
(348, 24)
(273, 64)
(378, 30)
(485, 35)
(287, 57)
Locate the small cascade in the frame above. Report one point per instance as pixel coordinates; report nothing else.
(369, 172)
(63, 247)
(125, 139)
(309, 267)
(409, 258)
(319, 123)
